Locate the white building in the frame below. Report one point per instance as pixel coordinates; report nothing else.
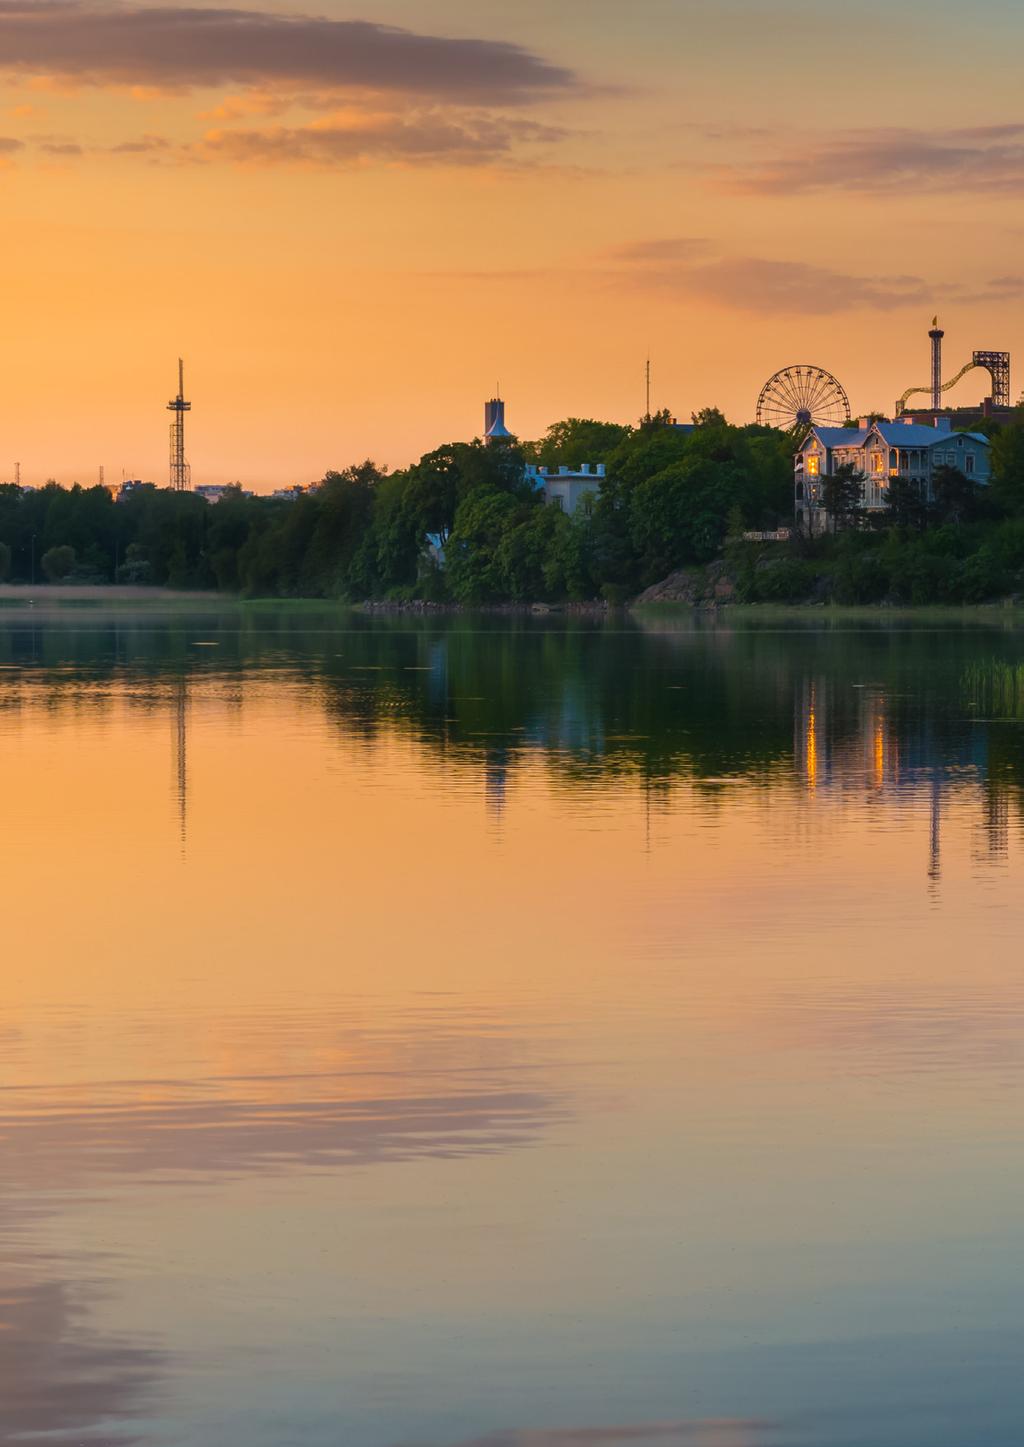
(570, 487)
(880, 451)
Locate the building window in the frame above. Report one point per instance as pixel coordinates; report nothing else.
(558, 501)
(813, 465)
(877, 463)
(969, 462)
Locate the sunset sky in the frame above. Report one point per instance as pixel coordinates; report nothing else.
(354, 219)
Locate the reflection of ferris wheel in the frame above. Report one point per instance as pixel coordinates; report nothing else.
(801, 397)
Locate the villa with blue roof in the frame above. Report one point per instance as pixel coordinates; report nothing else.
(879, 451)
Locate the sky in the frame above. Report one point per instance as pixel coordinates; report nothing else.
(355, 219)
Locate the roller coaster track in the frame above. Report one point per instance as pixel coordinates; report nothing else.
(996, 364)
(913, 391)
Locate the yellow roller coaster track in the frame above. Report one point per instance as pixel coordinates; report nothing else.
(913, 391)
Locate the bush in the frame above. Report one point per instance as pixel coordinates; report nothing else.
(787, 580)
(57, 563)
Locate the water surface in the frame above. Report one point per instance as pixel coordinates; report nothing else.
(510, 1033)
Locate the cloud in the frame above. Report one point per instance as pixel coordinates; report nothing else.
(670, 248)
(143, 146)
(979, 159)
(60, 148)
(8, 145)
(417, 137)
(185, 47)
(689, 267)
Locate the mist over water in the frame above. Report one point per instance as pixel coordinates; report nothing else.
(489, 1032)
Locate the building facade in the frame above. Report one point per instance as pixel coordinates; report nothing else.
(570, 488)
(879, 452)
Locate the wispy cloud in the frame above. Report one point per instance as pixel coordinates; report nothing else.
(693, 267)
(434, 137)
(975, 160)
(185, 47)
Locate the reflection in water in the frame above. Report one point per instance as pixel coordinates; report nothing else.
(510, 1022)
(721, 1433)
(68, 1136)
(181, 755)
(57, 1383)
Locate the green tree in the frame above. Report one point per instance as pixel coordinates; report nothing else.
(905, 505)
(58, 562)
(576, 440)
(954, 496)
(1008, 470)
(5, 562)
(842, 491)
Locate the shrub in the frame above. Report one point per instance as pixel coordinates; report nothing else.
(57, 563)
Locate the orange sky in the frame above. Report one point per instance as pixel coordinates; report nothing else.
(352, 226)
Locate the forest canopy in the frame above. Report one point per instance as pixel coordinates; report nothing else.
(466, 524)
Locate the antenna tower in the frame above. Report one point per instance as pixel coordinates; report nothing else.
(647, 414)
(181, 473)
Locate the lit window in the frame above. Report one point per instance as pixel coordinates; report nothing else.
(877, 463)
(813, 465)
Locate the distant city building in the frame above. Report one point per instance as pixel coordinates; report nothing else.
(122, 491)
(290, 494)
(214, 492)
(569, 487)
(879, 452)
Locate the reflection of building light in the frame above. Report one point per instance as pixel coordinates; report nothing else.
(879, 754)
(812, 746)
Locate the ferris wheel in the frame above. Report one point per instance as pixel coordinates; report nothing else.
(798, 398)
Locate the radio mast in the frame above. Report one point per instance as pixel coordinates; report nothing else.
(181, 473)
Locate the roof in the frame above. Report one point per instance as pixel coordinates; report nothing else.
(838, 436)
(910, 434)
(893, 434)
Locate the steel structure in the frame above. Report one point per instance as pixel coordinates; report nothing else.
(996, 364)
(936, 334)
(798, 398)
(181, 473)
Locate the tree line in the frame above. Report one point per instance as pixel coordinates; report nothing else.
(669, 494)
(463, 524)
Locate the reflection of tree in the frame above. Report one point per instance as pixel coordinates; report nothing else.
(657, 699)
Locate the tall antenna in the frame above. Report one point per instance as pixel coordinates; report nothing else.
(17, 474)
(181, 473)
(101, 474)
(647, 414)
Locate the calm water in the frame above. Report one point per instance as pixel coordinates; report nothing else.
(510, 1033)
